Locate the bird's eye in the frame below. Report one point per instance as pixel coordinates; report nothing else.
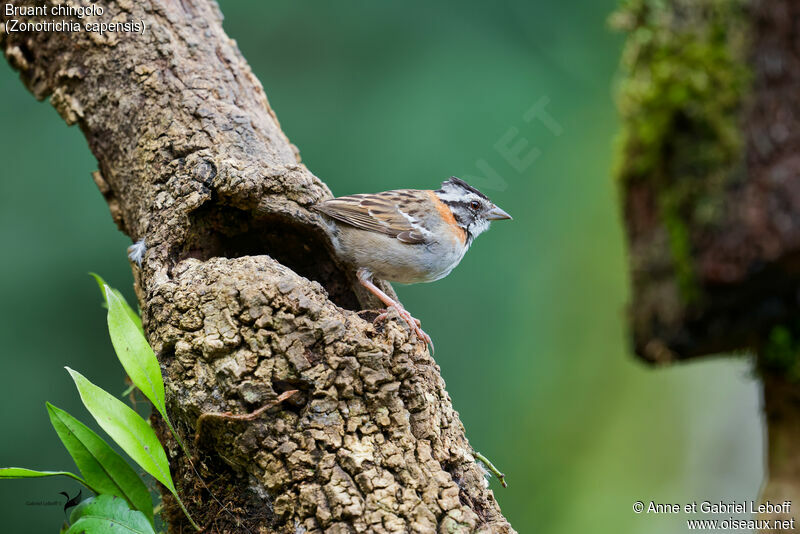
(475, 205)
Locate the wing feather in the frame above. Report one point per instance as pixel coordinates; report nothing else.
(377, 212)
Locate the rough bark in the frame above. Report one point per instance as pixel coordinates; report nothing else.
(710, 180)
(241, 298)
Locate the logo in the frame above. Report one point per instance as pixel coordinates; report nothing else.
(71, 501)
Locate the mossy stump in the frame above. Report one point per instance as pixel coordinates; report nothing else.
(708, 173)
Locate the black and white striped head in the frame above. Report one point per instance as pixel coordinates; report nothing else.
(473, 211)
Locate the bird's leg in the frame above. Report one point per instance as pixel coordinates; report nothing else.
(365, 277)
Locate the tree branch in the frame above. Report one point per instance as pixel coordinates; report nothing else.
(242, 299)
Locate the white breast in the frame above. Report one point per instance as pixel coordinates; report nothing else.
(395, 261)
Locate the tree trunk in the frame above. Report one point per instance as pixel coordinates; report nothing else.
(241, 297)
(710, 176)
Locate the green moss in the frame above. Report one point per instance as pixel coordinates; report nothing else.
(781, 354)
(683, 83)
(680, 247)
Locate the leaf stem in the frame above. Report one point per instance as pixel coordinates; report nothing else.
(186, 512)
(490, 466)
(188, 457)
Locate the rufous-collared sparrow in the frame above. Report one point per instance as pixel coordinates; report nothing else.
(408, 235)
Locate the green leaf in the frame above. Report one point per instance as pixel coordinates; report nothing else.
(107, 513)
(134, 352)
(130, 311)
(126, 428)
(100, 465)
(20, 472)
(11, 473)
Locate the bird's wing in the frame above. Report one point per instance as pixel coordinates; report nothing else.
(381, 212)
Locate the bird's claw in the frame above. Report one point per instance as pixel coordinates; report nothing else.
(413, 323)
(365, 277)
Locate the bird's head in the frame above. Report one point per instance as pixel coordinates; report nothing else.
(472, 210)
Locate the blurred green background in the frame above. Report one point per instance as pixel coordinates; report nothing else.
(529, 330)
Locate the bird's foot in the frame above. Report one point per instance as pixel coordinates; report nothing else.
(365, 278)
(412, 322)
(385, 313)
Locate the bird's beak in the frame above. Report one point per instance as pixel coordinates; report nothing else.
(496, 214)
